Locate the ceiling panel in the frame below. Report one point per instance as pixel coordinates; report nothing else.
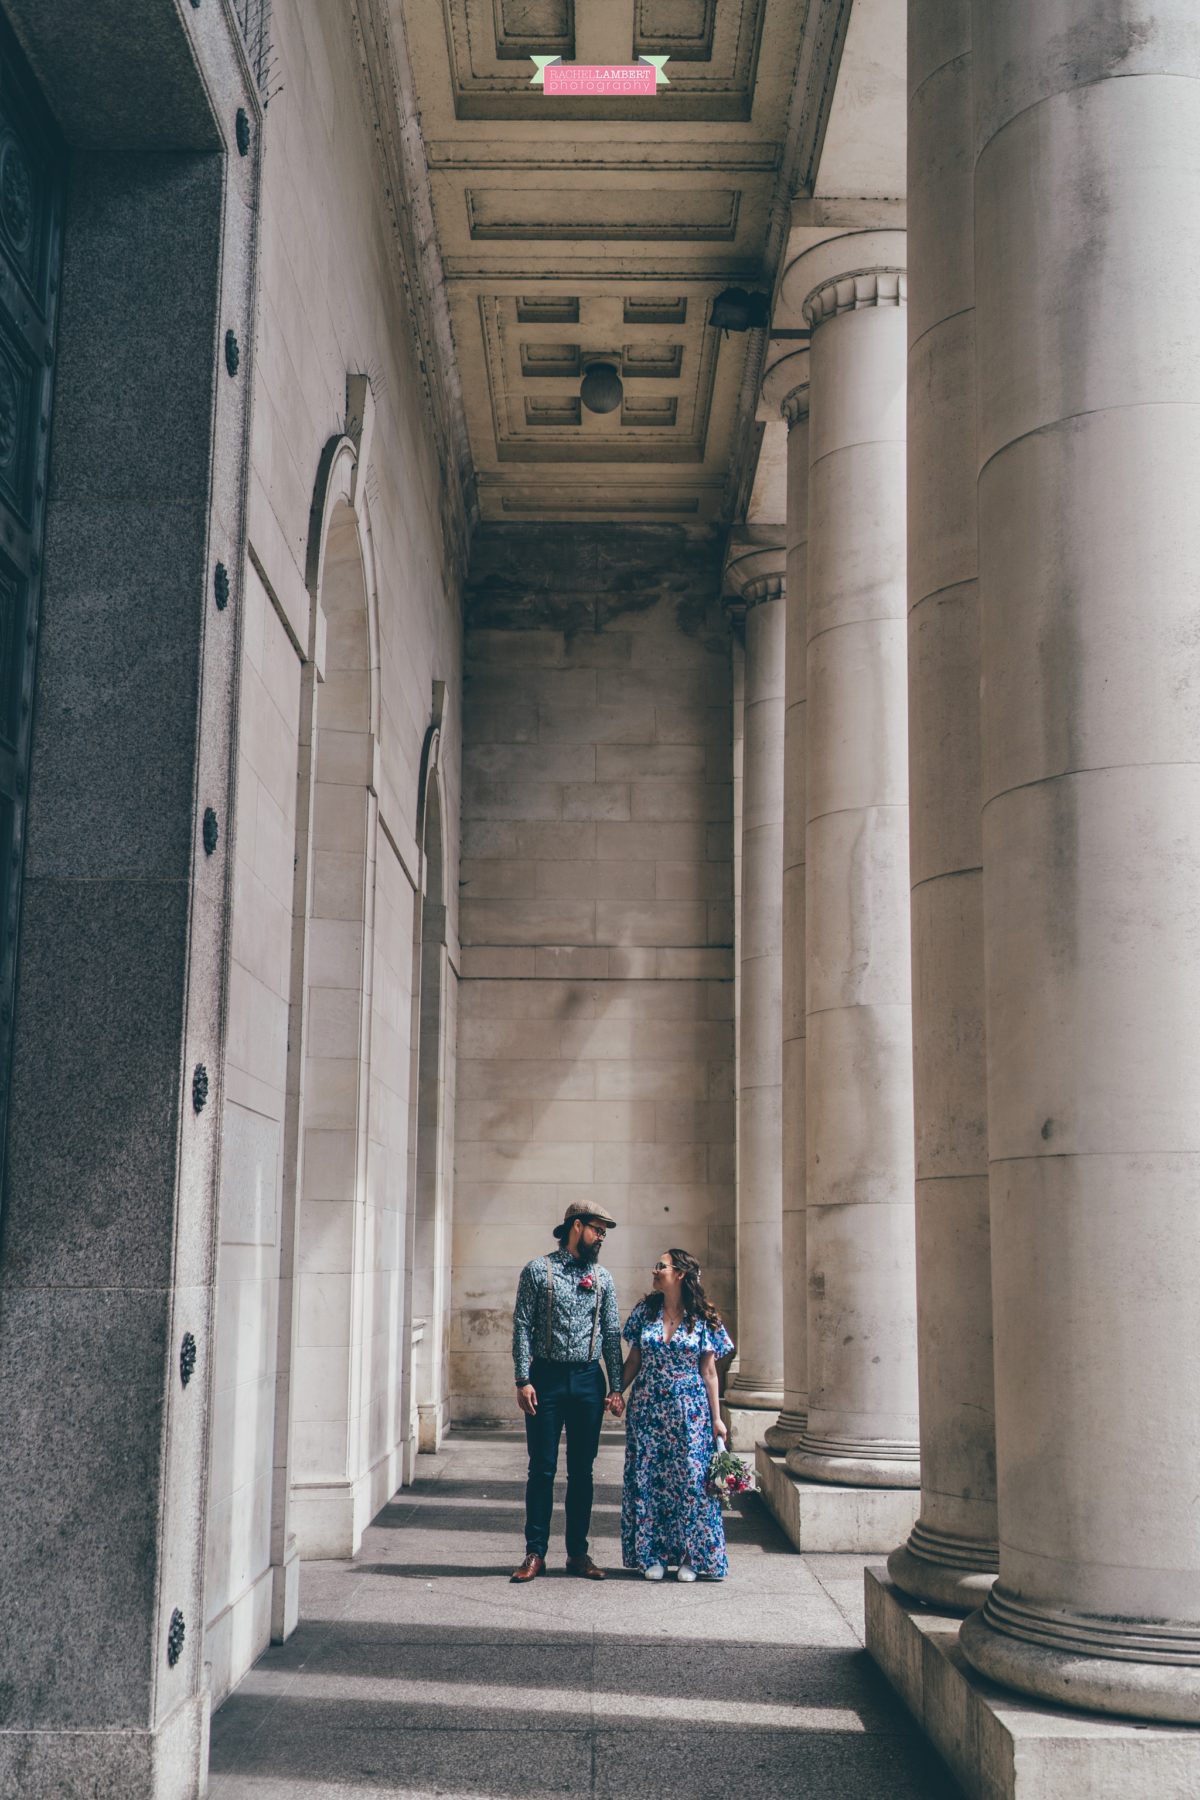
(714, 50)
(573, 229)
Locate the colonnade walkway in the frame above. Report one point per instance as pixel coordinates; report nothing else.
(419, 1669)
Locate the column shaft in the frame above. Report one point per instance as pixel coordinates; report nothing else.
(759, 1377)
(787, 1430)
(737, 672)
(1088, 367)
(862, 1420)
(950, 1558)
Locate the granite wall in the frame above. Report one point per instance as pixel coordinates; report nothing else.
(595, 1046)
(111, 1186)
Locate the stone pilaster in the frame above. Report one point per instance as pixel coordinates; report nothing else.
(862, 1420)
(755, 575)
(785, 390)
(1088, 371)
(950, 1558)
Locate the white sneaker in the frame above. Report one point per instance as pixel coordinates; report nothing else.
(655, 1572)
(686, 1572)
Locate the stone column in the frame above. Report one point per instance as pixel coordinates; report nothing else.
(950, 1558)
(1088, 370)
(755, 574)
(862, 1420)
(786, 388)
(737, 672)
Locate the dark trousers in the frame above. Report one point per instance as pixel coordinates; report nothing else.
(570, 1394)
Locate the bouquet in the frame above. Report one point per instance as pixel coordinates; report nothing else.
(728, 1475)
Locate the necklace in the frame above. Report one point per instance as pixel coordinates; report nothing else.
(673, 1323)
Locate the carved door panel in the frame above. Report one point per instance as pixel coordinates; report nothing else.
(31, 180)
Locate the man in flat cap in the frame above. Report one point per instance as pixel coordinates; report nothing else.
(564, 1323)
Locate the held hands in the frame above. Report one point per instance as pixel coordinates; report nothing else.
(615, 1404)
(527, 1398)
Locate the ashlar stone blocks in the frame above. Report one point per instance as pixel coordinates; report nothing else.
(596, 1034)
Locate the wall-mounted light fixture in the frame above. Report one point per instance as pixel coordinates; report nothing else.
(736, 310)
(601, 390)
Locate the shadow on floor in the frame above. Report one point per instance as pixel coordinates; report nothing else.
(416, 1673)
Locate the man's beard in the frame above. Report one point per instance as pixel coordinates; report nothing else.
(588, 1253)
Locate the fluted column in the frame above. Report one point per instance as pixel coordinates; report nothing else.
(786, 387)
(755, 574)
(1088, 369)
(950, 1558)
(862, 1419)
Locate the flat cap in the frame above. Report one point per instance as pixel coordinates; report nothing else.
(577, 1210)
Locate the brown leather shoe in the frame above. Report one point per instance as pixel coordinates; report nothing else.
(533, 1565)
(583, 1565)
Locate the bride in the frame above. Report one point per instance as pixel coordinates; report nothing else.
(674, 1425)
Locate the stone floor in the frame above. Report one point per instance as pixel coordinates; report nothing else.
(417, 1669)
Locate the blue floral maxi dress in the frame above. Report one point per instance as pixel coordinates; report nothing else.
(665, 1512)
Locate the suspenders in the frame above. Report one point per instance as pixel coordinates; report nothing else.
(595, 1322)
(549, 1309)
(550, 1313)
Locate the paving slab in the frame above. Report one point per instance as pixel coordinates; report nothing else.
(419, 1669)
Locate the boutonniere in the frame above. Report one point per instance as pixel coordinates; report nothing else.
(587, 1283)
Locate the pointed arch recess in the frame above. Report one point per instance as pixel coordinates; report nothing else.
(430, 1233)
(325, 1439)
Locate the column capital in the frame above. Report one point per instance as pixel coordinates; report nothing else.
(851, 293)
(755, 567)
(785, 386)
(852, 271)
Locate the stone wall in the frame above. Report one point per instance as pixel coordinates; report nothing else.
(111, 1186)
(595, 1039)
(313, 1315)
(237, 1581)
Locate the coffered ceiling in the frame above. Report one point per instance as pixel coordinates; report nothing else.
(572, 229)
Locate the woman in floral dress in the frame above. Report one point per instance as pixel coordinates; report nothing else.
(674, 1425)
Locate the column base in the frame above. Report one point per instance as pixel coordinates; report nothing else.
(408, 1458)
(285, 1595)
(1154, 1673)
(168, 1764)
(1002, 1747)
(954, 1574)
(857, 1466)
(432, 1425)
(331, 1516)
(239, 1634)
(330, 1519)
(816, 1516)
(758, 1399)
(787, 1431)
(747, 1425)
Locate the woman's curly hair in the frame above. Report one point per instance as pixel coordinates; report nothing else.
(696, 1303)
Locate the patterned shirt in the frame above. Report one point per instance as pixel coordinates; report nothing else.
(573, 1316)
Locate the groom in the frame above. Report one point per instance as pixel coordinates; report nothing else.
(565, 1316)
